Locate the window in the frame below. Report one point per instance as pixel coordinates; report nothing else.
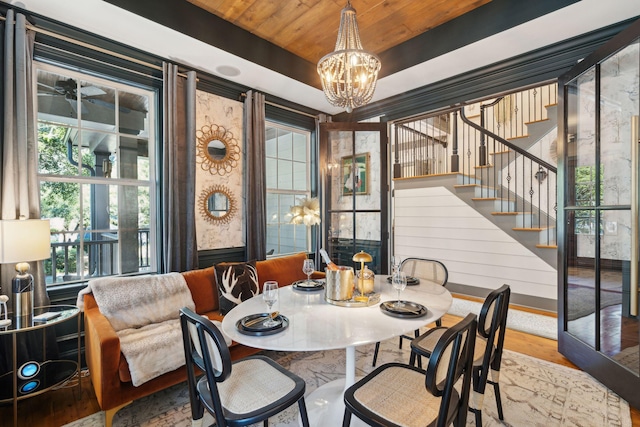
(96, 169)
(288, 180)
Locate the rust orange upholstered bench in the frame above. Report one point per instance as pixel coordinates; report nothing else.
(109, 371)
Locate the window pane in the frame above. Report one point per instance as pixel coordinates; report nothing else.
(60, 203)
(132, 114)
(286, 201)
(53, 150)
(57, 99)
(299, 147)
(285, 144)
(300, 175)
(271, 147)
(97, 147)
(285, 175)
(129, 153)
(272, 208)
(97, 104)
(272, 173)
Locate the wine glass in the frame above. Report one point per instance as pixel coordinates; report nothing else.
(395, 264)
(399, 282)
(270, 296)
(307, 268)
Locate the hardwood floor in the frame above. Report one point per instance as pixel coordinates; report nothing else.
(56, 408)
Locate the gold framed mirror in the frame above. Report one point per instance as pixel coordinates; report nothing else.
(217, 204)
(218, 150)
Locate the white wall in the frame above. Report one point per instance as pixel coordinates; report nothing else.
(435, 223)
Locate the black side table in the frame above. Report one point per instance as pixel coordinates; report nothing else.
(43, 375)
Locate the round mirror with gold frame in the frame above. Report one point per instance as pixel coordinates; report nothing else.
(217, 204)
(218, 150)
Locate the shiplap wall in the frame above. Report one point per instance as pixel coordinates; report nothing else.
(432, 222)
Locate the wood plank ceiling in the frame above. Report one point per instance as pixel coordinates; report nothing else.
(308, 28)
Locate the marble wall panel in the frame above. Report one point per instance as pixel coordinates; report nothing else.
(215, 110)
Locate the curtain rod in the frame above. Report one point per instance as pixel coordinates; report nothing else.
(134, 60)
(293, 110)
(92, 47)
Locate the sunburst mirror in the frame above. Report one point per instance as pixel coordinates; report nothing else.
(218, 150)
(217, 204)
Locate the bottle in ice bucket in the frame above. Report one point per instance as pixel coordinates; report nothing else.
(330, 264)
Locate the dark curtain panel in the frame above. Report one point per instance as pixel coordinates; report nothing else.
(20, 189)
(255, 182)
(179, 248)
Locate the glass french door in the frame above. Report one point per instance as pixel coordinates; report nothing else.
(353, 165)
(598, 219)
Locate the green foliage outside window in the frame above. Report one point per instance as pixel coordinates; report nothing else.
(585, 195)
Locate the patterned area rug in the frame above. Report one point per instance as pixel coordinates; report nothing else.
(535, 324)
(534, 393)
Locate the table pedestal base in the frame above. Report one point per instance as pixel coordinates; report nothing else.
(325, 406)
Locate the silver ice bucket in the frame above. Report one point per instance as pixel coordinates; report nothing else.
(339, 284)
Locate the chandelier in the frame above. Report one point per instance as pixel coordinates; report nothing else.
(349, 73)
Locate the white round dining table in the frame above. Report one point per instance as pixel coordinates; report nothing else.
(315, 324)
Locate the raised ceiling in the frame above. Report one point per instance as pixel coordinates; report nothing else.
(308, 28)
(489, 36)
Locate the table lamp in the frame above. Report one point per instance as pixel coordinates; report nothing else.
(21, 241)
(363, 257)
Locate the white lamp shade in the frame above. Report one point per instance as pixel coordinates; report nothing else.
(23, 240)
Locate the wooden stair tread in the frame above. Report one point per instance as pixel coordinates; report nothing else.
(484, 198)
(506, 213)
(536, 121)
(518, 137)
(435, 175)
(500, 152)
(547, 246)
(475, 186)
(483, 167)
(536, 229)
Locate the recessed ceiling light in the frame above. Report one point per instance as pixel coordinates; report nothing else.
(228, 70)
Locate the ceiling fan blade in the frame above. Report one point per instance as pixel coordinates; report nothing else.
(74, 106)
(47, 86)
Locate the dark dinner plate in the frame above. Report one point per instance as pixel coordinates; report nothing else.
(411, 281)
(313, 285)
(259, 328)
(407, 310)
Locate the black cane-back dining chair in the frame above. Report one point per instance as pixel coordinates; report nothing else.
(487, 353)
(241, 393)
(397, 394)
(425, 270)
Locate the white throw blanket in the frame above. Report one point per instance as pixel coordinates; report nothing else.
(145, 313)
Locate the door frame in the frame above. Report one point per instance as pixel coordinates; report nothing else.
(325, 187)
(600, 366)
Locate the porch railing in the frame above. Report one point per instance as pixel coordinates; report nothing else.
(73, 261)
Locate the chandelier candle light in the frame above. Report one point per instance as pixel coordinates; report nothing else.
(349, 74)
